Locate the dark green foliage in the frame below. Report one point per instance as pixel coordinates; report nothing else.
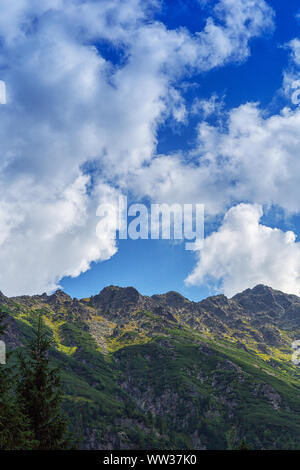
(141, 380)
(15, 429)
(15, 432)
(243, 445)
(39, 389)
(181, 382)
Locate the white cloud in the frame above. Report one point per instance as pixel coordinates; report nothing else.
(68, 106)
(294, 47)
(207, 107)
(48, 236)
(291, 76)
(251, 158)
(2, 92)
(244, 253)
(259, 155)
(240, 21)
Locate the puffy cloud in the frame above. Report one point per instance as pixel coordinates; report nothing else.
(171, 179)
(251, 158)
(68, 108)
(244, 253)
(240, 21)
(258, 155)
(48, 236)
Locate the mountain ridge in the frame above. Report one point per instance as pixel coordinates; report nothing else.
(162, 371)
(261, 307)
(113, 287)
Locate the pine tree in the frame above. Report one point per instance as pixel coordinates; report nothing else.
(243, 445)
(40, 390)
(15, 432)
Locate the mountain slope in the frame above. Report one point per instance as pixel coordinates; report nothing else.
(165, 372)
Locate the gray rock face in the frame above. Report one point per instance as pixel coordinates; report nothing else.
(117, 301)
(264, 299)
(258, 313)
(264, 309)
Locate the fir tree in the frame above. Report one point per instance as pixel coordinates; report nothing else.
(15, 432)
(243, 445)
(40, 390)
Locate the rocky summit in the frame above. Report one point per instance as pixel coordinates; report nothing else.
(163, 372)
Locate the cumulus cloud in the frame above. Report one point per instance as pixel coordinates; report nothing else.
(45, 237)
(259, 155)
(250, 157)
(240, 21)
(244, 253)
(69, 108)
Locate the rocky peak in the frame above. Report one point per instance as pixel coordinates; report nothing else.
(2, 297)
(265, 299)
(172, 299)
(117, 300)
(262, 289)
(217, 300)
(59, 297)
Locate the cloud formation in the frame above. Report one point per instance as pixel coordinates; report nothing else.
(68, 109)
(243, 253)
(248, 156)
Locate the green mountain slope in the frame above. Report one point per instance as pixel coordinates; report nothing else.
(163, 372)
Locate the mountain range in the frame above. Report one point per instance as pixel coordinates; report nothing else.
(163, 372)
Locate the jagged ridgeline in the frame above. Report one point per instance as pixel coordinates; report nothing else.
(163, 372)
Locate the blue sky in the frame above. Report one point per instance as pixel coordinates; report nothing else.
(162, 101)
(157, 266)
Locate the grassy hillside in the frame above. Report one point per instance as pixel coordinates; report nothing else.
(158, 373)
